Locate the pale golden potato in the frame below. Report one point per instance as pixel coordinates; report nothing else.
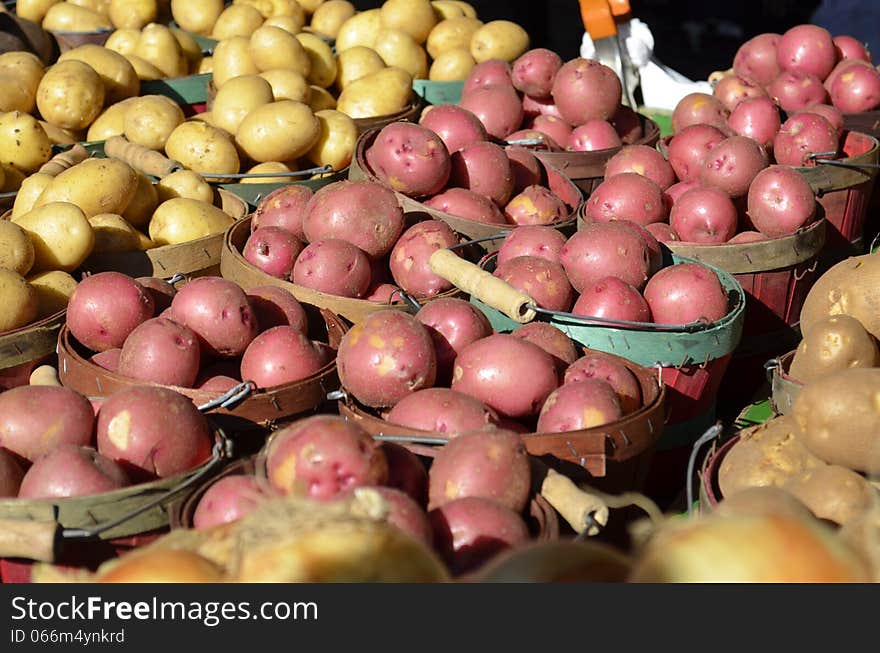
(23, 142)
(206, 65)
(321, 99)
(466, 8)
(117, 74)
(279, 131)
(61, 234)
(150, 120)
(111, 122)
(360, 29)
(144, 69)
(384, 92)
(452, 34)
(836, 343)
(289, 24)
(451, 66)
(34, 10)
(446, 10)
(335, 146)
(329, 17)
(414, 17)
(399, 49)
(54, 289)
(123, 41)
(202, 148)
(159, 46)
(355, 63)
(237, 98)
(288, 85)
(12, 178)
(30, 191)
(182, 220)
(68, 17)
(272, 47)
(20, 75)
(94, 186)
(231, 58)
(16, 248)
(310, 6)
(114, 234)
(186, 184)
(133, 14)
(499, 39)
(143, 204)
(60, 136)
(268, 166)
(19, 301)
(192, 51)
(98, 6)
(197, 16)
(237, 20)
(322, 63)
(70, 95)
(278, 8)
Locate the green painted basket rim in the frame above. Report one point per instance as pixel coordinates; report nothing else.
(650, 347)
(187, 89)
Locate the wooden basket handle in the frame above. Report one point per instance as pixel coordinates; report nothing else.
(137, 156)
(582, 510)
(64, 160)
(489, 289)
(33, 540)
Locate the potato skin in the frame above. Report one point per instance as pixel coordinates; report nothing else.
(202, 148)
(834, 493)
(19, 300)
(279, 131)
(70, 95)
(836, 343)
(443, 411)
(117, 74)
(94, 185)
(23, 142)
(848, 288)
(61, 235)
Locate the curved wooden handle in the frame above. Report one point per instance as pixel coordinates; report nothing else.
(64, 160)
(573, 503)
(33, 540)
(142, 158)
(488, 289)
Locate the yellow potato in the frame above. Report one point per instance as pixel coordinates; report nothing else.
(158, 45)
(206, 65)
(61, 234)
(53, 291)
(310, 6)
(413, 17)
(322, 70)
(466, 8)
(23, 142)
(98, 6)
(451, 66)
(399, 49)
(272, 47)
(34, 10)
(499, 39)
(16, 248)
(144, 202)
(330, 16)
(70, 95)
(19, 301)
(279, 131)
(287, 85)
(94, 186)
(25, 65)
(117, 74)
(452, 34)
(205, 116)
(30, 191)
(20, 75)
(320, 99)
(355, 63)
(151, 119)
(196, 16)
(360, 29)
(133, 14)
(68, 17)
(12, 178)
(60, 136)
(446, 10)
(232, 57)
(237, 98)
(274, 8)
(145, 242)
(382, 93)
(192, 51)
(335, 146)
(202, 148)
(186, 184)
(236, 20)
(268, 166)
(123, 41)
(111, 122)
(114, 234)
(144, 69)
(182, 220)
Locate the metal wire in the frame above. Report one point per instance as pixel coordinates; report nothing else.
(711, 433)
(414, 439)
(229, 398)
(691, 327)
(261, 175)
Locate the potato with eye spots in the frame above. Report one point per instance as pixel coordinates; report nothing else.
(409, 258)
(836, 343)
(542, 280)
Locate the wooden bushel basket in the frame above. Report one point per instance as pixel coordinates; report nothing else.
(24, 349)
(71, 40)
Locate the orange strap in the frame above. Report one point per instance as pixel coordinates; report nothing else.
(598, 16)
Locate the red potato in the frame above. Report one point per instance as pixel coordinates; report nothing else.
(497, 106)
(533, 107)
(756, 118)
(455, 126)
(273, 250)
(410, 158)
(699, 109)
(284, 207)
(11, 473)
(628, 124)
(807, 49)
(756, 59)
(579, 405)
(612, 299)
(279, 356)
(409, 258)
(663, 232)
(406, 472)
(453, 324)
(161, 351)
(71, 470)
(443, 411)
(105, 307)
(780, 201)
(483, 168)
(628, 196)
(108, 359)
(732, 90)
(160, 290)
(802, 135)
(856, 89)
(220, 384)
(555, 127)
(467, 204)
(219, 312)
(792, 90)
(848, 47)
(654, 249)
(36, 419)
(536, 205)
(384, 293)
(642, 160)
(533, 72)
(323, 457)
(732, 164)
(364, 213)
(585, 89)
(842, 66)
(550, 339)
(228, 500)
(593, 135)
(525, 167)
(686, 293)
(747, 237)
(689, 147)
(333, 266)
(539, 241)
(614, 373)
(704, 215)
(274, 306)
(606, 249)
(386, 357)
(547, 142)
(670, 197)
(487, 464)
(508, 374)
(488, 73)
(152, 432)
(407, 515)
(542, 280)
(830, 113)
